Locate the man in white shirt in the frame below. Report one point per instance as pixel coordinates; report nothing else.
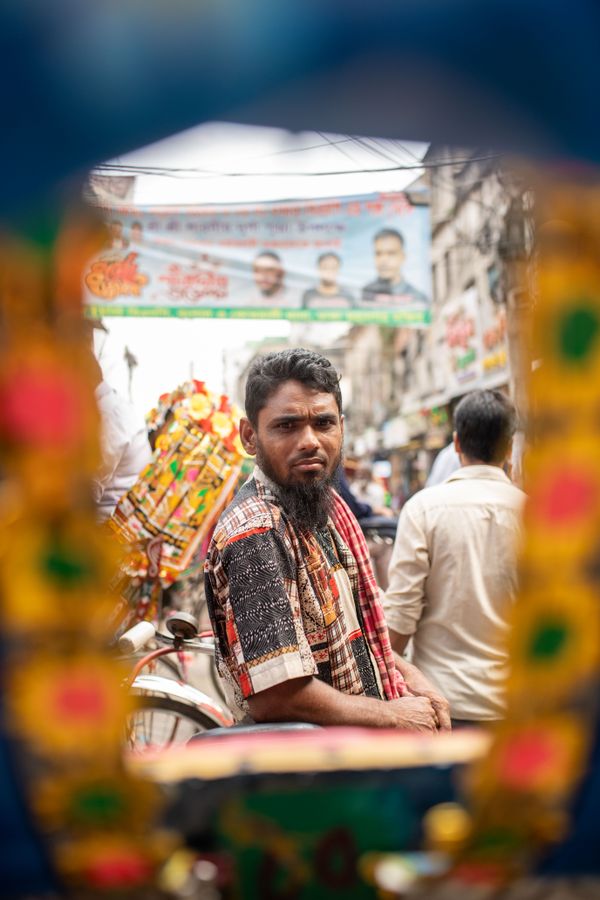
(453, 572)
(125, 448)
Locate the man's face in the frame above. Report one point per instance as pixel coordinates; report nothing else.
(329, 269)
(136, 234)
(268, 275)
(116, 229)
(298, 437)
(389, 257)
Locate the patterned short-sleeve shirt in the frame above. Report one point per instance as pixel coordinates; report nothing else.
(283, 602)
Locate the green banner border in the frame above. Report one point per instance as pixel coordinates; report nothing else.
(406, 318)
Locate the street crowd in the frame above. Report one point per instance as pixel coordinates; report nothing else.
(304, 632)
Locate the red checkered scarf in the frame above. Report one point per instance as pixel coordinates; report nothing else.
(376, 630)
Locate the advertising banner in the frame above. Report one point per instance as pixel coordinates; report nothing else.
(364, 259)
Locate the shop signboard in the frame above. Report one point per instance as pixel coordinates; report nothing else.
(463, 343)
(495, 364)
(363, 259)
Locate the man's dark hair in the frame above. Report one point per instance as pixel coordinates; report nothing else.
(389, 232)
(268, 372)
(274, 256)
(485, 422)
(328, 255)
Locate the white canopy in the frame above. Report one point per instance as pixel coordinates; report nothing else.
(226, 163)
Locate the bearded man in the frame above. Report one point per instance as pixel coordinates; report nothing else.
(299, 629)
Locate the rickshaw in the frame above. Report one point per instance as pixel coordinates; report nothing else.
(82, 83)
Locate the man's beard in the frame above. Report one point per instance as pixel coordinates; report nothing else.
(307, 504)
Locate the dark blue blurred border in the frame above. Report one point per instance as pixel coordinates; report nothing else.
(84, 81)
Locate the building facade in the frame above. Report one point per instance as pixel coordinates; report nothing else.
(405, 382)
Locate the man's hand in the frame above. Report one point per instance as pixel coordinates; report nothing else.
(420, 686)
(439, 704)
(414, 714)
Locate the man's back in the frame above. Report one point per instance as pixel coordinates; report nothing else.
(453, 581)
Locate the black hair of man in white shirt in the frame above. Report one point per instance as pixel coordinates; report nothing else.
(484, 424)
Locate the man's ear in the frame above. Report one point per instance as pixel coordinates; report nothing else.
(456, 443)
(248, 436)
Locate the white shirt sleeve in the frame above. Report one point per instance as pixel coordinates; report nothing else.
(409, 567)
(125, 450)
(114, 440)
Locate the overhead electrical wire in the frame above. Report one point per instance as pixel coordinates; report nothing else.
(331, 143)
(445, 182)
(378, 153)
(179, 172)
(328, 142)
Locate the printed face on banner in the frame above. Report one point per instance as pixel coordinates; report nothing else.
(269, 274)
(362, 258)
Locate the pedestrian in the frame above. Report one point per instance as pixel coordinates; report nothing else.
(370, 490)
(453, 572)
(444, 465)
(123, 443)
(299, 629)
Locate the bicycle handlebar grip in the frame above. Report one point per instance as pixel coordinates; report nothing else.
(137, 637)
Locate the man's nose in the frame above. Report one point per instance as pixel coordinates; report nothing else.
(308, 439)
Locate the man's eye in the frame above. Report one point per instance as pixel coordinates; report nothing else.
(285, 426)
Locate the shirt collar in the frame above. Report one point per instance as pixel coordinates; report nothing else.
(491, 473)
(265, 481)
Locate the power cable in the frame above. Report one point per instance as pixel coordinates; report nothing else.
(328, 142)
(376, 151)
(173, 171)
(403, 147)
(449, 184)
(343, 152)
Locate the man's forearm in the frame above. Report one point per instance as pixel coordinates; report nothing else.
(405, 668)
(311, 700)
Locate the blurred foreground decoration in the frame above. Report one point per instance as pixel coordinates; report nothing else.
(87, 825)
(64, 702)
(526, 794)
(304, 814)
(165, 520)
